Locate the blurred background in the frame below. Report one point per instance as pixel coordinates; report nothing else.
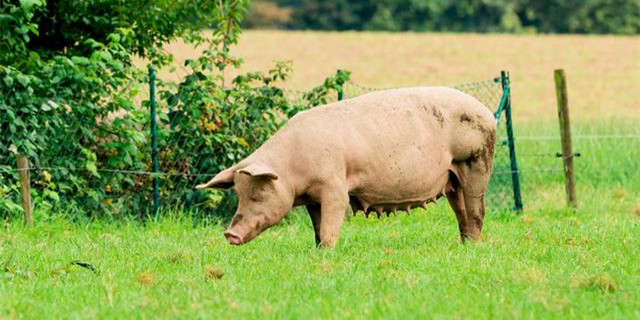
(520, 16)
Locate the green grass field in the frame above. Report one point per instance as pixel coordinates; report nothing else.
(548, 262)
(543, 264)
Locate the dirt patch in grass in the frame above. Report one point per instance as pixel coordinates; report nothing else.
(145, 278)
(212, 273)
(601, 282)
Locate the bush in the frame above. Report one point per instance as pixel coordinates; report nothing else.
(67, 102)
(54, 104)
(212, 125)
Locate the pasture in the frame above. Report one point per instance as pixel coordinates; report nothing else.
(548, 262)
(602, 71)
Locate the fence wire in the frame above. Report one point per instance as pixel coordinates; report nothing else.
(124, 187)
(65, 174)
(500, 193)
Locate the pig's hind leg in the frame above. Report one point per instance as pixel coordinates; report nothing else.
(455, 196)
(475, 182)
(467, 198)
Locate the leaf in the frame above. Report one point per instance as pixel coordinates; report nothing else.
(27, 4)
(80, 60)
(243, 142)
(52, 195)
(24, 80)
(46, 176)
(8, 81)
(114, 37)
(91, 167)
(101, 55)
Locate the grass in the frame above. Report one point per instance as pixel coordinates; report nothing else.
(606, 166)
(549, 262)
(543, 264)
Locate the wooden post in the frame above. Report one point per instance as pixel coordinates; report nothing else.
(25, 188)
(565, 133)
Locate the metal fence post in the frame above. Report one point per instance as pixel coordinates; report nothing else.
(154, 139)
(517, 196)
(340, 87)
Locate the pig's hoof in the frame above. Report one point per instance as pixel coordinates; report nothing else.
(325, 245)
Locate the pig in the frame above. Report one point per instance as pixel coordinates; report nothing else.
(379, 152)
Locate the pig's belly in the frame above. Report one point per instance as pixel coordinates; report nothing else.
(407, 179)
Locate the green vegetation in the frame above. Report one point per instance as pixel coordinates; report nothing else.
(557, 16)
(69, 101)
(549, 262)
(67, 92)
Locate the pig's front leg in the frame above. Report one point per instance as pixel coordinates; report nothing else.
(334, 204)
(314, 214)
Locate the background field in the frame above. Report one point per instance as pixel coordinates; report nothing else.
(549, 262)
(603, 71)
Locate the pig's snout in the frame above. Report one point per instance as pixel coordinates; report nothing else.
(233, 238)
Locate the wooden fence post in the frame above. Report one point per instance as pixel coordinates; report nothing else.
(25, 188)
(565, 133)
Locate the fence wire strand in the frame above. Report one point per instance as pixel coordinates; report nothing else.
(127, 184)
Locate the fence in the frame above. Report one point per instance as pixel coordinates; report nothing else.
(141, 185)
(504, 186)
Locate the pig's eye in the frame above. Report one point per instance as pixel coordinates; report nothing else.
(254, 199)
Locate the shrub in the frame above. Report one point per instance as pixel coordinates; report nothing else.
(67, 96)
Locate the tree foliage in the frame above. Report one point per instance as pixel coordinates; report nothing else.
(555, 16)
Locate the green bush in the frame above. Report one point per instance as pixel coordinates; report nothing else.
(67, 92)
(212, 124)
(55, 105)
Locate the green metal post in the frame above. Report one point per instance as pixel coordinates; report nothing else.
(517, 196)
(340, 91)
(154, 139)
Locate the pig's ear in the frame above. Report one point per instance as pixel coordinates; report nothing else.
(222, 180)
(259, 170)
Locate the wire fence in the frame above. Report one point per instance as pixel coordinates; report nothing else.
(501, 193)
(125, 186)
(604, 155)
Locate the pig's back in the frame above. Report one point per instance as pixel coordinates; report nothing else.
(387, 120)
(394, 145)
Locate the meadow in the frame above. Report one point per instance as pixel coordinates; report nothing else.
(602, 71)
(547, 262)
